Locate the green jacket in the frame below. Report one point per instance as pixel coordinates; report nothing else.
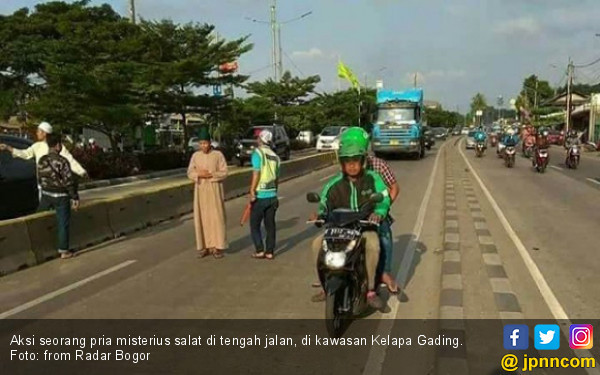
(340, 192)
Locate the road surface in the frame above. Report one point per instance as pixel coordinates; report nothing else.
(473, 240)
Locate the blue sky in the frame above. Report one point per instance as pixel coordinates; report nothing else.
(456, 47)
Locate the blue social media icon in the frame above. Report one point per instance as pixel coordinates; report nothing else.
(547, 337)
(516, 337)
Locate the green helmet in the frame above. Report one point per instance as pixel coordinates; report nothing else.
(354, 142)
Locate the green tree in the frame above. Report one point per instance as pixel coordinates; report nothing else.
(478, 103)
(535, 91)
(181, 61)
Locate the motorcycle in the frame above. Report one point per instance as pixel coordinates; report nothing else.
(528, 150)
(540, 161)
(573, 157)
(341, 264)
(509, 156)
(493, 140)
(479, 149)
(500, 150)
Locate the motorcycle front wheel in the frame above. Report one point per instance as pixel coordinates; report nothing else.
(335, 318)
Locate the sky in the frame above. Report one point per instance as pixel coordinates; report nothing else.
(455, 47)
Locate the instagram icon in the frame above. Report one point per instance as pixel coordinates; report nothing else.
(581, 336)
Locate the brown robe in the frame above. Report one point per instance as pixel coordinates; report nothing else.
(209, 200)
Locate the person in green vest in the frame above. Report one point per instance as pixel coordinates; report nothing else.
(263, 195)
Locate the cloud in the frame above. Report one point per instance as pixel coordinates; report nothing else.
(310, 54)
(519, 27)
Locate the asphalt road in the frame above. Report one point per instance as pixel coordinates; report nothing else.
(473, 240)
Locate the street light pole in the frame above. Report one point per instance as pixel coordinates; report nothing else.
(569, 95)
(132, 11)
(274, 28)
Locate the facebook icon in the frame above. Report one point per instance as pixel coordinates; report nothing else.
(516, 337)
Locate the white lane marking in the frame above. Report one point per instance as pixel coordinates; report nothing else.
(557, 168)
(594, 181)
(374, 364)
(68, 288)
(553, 304)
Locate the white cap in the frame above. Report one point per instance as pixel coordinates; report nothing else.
(511, 131)
(45, 127)
(91, 140)
(265, 136)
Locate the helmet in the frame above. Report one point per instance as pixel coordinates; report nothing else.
(572, 133)
(45, 127)
(510, 131)
(265, 136)
(545, 133)
(355, 135)
(353, 142)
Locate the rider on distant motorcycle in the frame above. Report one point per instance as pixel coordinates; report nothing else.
(541, 143)
(351, 189)
(571, 140)
(510, 139)
(480, 135)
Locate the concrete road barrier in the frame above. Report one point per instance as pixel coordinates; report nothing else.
(15, 247)
(90, 226)
(33, 239)
(43, 235)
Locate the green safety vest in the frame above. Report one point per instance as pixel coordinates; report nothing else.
(269, 170)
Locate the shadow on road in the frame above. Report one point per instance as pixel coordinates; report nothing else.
(245, 242)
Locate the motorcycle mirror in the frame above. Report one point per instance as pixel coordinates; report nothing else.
(376, 198)
(313, 197)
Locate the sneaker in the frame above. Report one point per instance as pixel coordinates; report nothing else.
(374, 301)
(66, 255)
(319, 297)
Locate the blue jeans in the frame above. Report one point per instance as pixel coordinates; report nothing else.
(263, 209)
(387, 246)
(62, 206)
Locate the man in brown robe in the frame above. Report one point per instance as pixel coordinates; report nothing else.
(208, 169)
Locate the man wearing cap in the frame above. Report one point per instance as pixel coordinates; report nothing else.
(208, 169)
(263, 195)
(40, 149)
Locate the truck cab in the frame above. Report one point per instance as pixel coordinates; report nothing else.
(398, 127)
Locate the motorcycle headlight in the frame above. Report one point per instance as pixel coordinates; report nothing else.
(413, 143)
(335, 259)
(240, 146)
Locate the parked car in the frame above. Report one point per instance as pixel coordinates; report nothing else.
(440, 133)
(18, 181)
(471, 139)
(329, 138)
(429, 137)
(456, 130)
(306, 136)
(281, 143)
(556, 137)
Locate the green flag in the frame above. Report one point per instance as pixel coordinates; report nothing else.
(346, 73)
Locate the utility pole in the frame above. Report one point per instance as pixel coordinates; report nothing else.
(274, 28)
(569, 94)
(416, 80)
(132, 11)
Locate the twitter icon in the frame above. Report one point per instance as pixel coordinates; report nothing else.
(547, 337)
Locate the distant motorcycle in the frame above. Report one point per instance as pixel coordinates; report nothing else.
(479, 149)
(540, 161)
(493, 140)
(509, 156)
(573, 157)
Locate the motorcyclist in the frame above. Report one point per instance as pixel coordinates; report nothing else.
(510, 138)
(360, 136)
(350, 189)
(571, 140)
(480, 135)
(541, 143)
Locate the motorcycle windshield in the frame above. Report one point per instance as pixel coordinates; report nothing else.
(343, 217)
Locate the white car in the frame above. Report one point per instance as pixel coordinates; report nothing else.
(305, 136)
(470, 140)
(329, 139)
(465, 131)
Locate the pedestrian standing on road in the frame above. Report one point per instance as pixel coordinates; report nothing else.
(58, 190)
(263, 195)
(40, 149)
(208, 169)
